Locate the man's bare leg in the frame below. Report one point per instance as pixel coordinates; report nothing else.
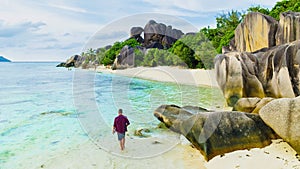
(121, 144)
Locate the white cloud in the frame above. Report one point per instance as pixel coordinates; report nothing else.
(208, 5)
(69, 8)
(57, 29)
(36, 29)
(10, 30)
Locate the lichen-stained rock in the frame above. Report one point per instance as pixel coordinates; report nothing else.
(283, 116)
(246, 104)
(272, 72)
(71, 62)
(251, 104)
(160, 33)
(135, 32)
(216, 133)
(257, 31)
(289, 27)
(229, 76)
(261, 104)
(125, 59)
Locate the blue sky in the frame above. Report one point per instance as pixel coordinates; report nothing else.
(39, 30)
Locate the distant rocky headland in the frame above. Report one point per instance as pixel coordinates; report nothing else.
(3, 59)
(156, 36)
(144, 42)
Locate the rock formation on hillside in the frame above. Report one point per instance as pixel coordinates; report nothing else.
(156, 35)
(216, 133)
(255, 32)
(265, 66)
(259, 31)
(135, 32)
(160, 33)
(289, 28)
(125, 59)
(270, 71)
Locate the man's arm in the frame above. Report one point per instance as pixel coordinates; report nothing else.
(127, 121)
(113, 130)
(114, 127)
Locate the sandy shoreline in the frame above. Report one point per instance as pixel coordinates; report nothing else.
(90, 156)
(196, 77)
(278, 155)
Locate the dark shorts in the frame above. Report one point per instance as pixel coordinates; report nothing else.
(121, 136)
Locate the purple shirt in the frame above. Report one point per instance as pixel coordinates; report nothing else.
(120, 123)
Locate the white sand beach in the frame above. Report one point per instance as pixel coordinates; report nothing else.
(90, 156)
(197, 77)
(278, 155)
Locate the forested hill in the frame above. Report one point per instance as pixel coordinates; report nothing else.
(192, 50)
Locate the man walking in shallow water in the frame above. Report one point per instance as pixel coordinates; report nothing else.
(120, 126)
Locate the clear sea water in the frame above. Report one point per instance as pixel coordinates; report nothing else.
(46, 110)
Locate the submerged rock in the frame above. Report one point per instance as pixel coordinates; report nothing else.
(62, 113)
(283, 116)
(141, 132)
(216, 133)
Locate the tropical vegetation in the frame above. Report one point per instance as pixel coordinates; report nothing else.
(192, 50)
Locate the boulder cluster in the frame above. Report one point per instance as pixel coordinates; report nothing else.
(156, 35)
(260, 74)
(153, 35)
(273, 72)
(215, 133)
(260, 78)
(71, 62)
(264, 61)
(259, 31)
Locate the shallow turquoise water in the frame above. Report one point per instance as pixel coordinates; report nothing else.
(45, 110)
(34, 100)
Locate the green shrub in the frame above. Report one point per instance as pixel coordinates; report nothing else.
(110, 54)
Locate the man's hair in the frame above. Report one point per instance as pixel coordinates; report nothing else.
(120, 111)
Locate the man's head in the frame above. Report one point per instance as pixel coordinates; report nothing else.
(120, 111)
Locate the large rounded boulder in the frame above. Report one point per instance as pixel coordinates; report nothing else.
(216, 133)
(283, 116)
